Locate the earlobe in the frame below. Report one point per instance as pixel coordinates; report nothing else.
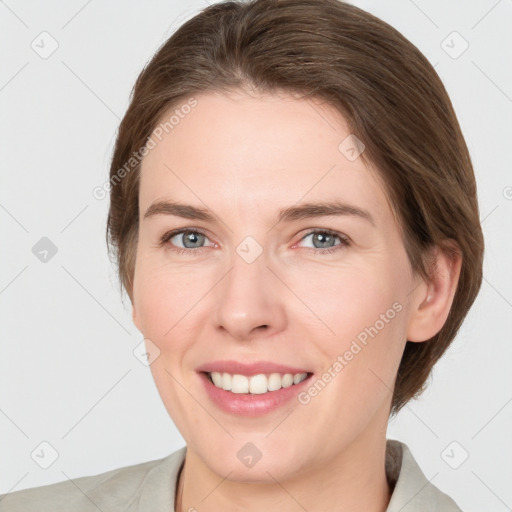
(432, 300)
(135, 318)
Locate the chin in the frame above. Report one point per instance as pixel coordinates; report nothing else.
(241, 460)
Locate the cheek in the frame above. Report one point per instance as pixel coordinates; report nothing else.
(165, 299)
(151, 295)
(361, 356)
(348, 300)
(363, 321)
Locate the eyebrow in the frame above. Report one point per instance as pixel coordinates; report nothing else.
(292, 213)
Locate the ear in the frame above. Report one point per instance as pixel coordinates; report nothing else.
(135, 318)
(432, 299)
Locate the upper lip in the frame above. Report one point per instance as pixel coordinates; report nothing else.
(255, 368)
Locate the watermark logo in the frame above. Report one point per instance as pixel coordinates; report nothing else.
(455, 455)
(249, 455)
(45, 45)
(454, 45)
(44, 455)
(351, 147)
(44, 250)
(146, 352)
(249, 249)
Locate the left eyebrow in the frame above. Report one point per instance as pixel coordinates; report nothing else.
(289, 214)
(310, 210)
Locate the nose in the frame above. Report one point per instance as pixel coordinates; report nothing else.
(250, 300)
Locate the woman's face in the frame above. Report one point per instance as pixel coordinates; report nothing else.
(248, 286)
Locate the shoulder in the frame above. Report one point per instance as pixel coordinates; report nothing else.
(411, 486)
(116, 490)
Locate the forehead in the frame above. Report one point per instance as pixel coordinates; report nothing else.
(249, 152)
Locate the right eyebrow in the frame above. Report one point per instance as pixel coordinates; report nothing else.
(179, 210)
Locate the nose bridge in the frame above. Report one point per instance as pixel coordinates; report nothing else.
(247, 298)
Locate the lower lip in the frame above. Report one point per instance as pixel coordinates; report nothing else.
(246, 404)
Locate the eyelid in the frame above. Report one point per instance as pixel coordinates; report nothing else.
(172, 233)
(343, 237)
(345, 240)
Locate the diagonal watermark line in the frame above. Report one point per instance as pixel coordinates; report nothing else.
(492, 81)
(412, 291)
(307, 192)
(74, 218)
(199, 403)
(406, 405)
(280, 422)
(321, 115)
(13, 217)
(14, 76)
(165, 165)
(508, 506)
(424, 14)
(96, 300)
(117, 382)
(422, 487)
(216, 487)
(14, 423)
(501, 408)
(489, 214)
(76, 14)
(485, 15)
(13, 13)
(85, 494)
(334, 334)
(78, 78)
(286, 491)
(200, 299)
(422, 421)
(14, 486)
(13, 279)
(497, 291)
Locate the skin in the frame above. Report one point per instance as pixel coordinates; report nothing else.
(244, 157)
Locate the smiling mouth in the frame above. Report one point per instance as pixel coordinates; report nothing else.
(255, 384)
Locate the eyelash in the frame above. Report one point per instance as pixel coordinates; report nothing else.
(345, 241)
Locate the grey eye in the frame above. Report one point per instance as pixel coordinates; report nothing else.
(322, 240)
(190, 239)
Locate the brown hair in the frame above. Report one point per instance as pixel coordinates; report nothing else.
(390, 95)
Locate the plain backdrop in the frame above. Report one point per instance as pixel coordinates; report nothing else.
(73, 396)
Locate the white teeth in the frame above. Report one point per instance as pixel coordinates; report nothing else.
(256, 384)
(240, 384)
(226, 381)
(274, 382)
(217, 378)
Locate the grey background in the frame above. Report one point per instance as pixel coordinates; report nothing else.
(68, 375)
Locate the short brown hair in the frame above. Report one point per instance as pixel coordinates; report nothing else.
(390, 95)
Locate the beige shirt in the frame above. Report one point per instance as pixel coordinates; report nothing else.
(151, 486)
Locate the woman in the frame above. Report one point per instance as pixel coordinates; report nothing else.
(295, 220)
